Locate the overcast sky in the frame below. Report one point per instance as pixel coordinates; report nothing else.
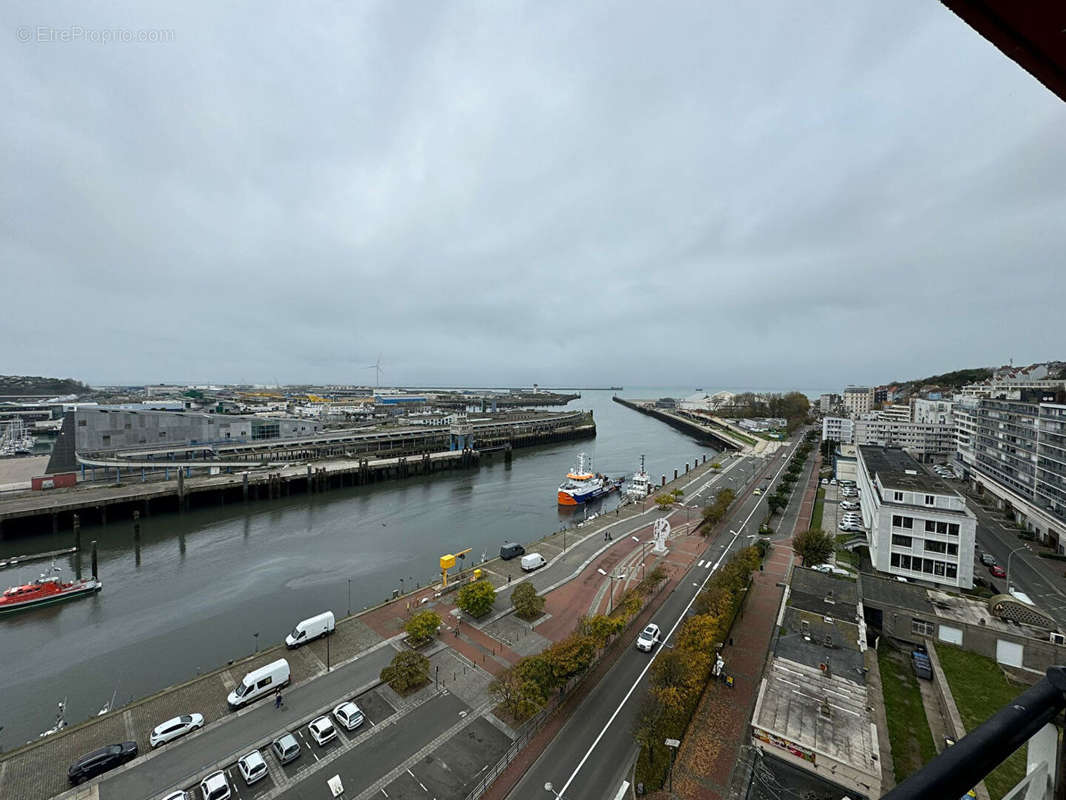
(749, 194)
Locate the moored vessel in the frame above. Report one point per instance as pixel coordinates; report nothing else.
(640, 484)
(582, 485)
(45, 591)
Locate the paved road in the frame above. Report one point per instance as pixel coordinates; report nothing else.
(1040, 578)
(196, 756)
(592, 754)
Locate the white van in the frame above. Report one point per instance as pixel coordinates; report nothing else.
(318, 625)
(260, 682)
(533, 561)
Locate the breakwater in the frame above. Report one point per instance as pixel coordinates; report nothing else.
(718, 437)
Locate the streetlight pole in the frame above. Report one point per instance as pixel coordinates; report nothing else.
(1009, 557)
(349, 597)
(256, 635)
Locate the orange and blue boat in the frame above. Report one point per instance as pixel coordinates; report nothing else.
(582, 485)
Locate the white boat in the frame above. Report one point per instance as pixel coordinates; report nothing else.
(640, 484)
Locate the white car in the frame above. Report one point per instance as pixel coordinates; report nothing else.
(214, 787)
(832, 569)
(649, 637)
(179, 795)
(850, 528)
(349, 715)
(173, 728)
(253, 767)
(322, 730)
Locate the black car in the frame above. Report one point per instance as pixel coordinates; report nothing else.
(99, 761)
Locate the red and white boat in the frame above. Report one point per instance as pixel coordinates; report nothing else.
(45, 591)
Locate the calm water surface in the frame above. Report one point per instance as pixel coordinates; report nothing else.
(205, 581)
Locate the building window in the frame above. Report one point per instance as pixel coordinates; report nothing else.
(935, 547)
(939, 568)
(897, 496)
(953, 529)
(952, 571)
(82, 423)
(901, 541)
(922, 628)
(895, 559)
(905, 562)
(106, 438)
(930, 526)
(902, 522)
(930, 500)
(927, 565)
(953, 549)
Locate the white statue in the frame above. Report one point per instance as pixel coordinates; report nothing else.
(660, 533)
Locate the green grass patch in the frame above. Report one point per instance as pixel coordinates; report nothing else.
(980, 690)
(819, 504)
(908, 728)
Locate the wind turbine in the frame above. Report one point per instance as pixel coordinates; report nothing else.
(377, 366)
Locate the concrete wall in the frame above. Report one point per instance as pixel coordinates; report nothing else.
(100, 429)
(1037, 654)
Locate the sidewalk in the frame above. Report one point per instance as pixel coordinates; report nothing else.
(718, 735)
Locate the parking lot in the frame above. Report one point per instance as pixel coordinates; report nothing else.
(375, 709)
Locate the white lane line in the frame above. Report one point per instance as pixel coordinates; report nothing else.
(699, 563)
(416, 780)
(384, 792)
(655, 655)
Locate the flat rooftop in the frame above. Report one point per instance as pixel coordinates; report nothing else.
(898, 470)
(820, 711)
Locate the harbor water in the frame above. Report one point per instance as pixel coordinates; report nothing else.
(199, 586)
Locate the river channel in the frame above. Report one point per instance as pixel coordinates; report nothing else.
(207, 580)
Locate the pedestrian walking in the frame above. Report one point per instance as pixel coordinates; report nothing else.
(277, 698)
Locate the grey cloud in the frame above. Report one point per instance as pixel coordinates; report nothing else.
(740, 195)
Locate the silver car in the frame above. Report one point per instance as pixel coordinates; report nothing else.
(252, 766)
(349, 715)
(175, 728)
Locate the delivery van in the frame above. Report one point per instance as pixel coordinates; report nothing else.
(311, 628)
(533, 561)
(260, 682)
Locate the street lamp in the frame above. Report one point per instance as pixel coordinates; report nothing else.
(1009, 557)
(549, 788)
(673, 744)
(642, 544)
(256, 635)
(612, 578)
(349, 597)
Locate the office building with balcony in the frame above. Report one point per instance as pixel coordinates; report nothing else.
(918, 526)
(927, 442)
(839, 429)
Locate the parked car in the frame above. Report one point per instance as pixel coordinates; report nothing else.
(349, 715)
(311, 628)
(179, 795)
(988, 559)
(649, 637)
(286, 748)
(215, 786)
(997, 571)
(757, 492)
(830, 569)
(253, 767)
(100, 761)
(322, 730)
(825, 481)
(849, 527)
(511, 550)
(175, 728)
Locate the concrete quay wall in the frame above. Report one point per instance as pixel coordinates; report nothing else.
(55, 510)
(719, 439)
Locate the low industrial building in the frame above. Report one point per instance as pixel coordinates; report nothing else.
(918, 526)
(813, 709)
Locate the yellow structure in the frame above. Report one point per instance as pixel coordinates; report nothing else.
(447, 562)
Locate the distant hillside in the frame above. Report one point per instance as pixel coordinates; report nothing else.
(35, 385)
(956, 379)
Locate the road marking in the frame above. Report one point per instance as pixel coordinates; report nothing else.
(416, 780)
(699, 563)
(384, 792)
(655, 655)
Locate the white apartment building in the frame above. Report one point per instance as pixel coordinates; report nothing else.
(839, 429)
(964, 417)
(919, 527)
(828, 402)
(858, 400)
(932, 412)
(926, 441)
(898, 413)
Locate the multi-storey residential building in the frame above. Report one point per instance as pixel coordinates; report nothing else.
(921, 440)
(828, 402)
(919, 527)
(964, 416)
(880, 395)
(899, 413)
(932, 412)
(857, 400)
(839, 429)
(1020, 458)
